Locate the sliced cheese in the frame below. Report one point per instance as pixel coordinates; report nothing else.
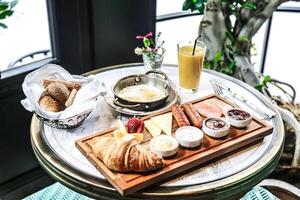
(120, 126)
(164, 122)
(153, 129)
(138, 136)
(118, 134)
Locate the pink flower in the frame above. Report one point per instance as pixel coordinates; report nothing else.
(140, 37)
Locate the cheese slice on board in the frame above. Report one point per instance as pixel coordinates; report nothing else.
(153, 129)
(164, 122)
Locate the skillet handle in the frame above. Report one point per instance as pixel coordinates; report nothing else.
(125, 105)
(157, 72)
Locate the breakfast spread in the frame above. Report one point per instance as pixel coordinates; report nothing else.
(58, 95)
(169, 142)
(189, 119)
(237, 117)
(189, 136)
(164, 145)
(215, 127)
(122, 152)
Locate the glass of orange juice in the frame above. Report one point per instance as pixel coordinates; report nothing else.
(189, 65)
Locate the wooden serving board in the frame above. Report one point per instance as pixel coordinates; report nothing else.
(127, 183)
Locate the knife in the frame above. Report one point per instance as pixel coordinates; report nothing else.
(262, 110)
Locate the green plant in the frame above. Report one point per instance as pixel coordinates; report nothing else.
(6, 10)
(263, 82)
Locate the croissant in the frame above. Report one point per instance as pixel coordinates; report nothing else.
(125, 155)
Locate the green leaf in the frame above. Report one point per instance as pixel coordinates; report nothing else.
(6, 13)
(146, 42)
(188, 4)
(266, 79)
(208, 65)
(229, 36)
(232, 7)
(3, 25)
(218, 56)
(259, 87)
(13, 3)
(263, 82)
(232, 66)
(229, 46)
(243, 38)
(227, 71)
(194, 1)
(199, 5)
(249, 5)
(3, 7)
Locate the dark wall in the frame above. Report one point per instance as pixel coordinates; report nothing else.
(115, 25)
(16, 155)
(86, 34)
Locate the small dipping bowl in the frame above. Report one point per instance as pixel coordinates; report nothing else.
(215, 127)
(189, 136)
(164, 145)
(238, 117)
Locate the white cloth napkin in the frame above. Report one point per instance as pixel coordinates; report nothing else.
(85, 98)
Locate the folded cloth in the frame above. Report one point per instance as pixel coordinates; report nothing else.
(33, 88)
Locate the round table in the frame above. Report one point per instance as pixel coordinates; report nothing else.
(225, 188)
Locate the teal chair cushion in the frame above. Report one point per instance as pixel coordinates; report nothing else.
(56, 191)
(259, 193)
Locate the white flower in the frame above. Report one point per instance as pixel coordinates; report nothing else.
(148, 49)
(138, 51)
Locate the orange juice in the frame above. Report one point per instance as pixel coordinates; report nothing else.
(190, 66)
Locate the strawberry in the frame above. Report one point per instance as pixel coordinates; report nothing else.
(133, 125)
(141, 127)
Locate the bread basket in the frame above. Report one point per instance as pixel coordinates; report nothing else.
(70, 116)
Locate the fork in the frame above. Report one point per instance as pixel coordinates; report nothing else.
(219, 91)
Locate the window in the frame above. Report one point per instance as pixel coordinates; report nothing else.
(276, 42)
(27, 38)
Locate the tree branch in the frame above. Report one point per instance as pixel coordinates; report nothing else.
(254, 23)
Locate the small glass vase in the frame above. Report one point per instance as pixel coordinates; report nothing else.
(153, 62)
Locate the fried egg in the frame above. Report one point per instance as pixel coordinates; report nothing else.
(141, 93)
